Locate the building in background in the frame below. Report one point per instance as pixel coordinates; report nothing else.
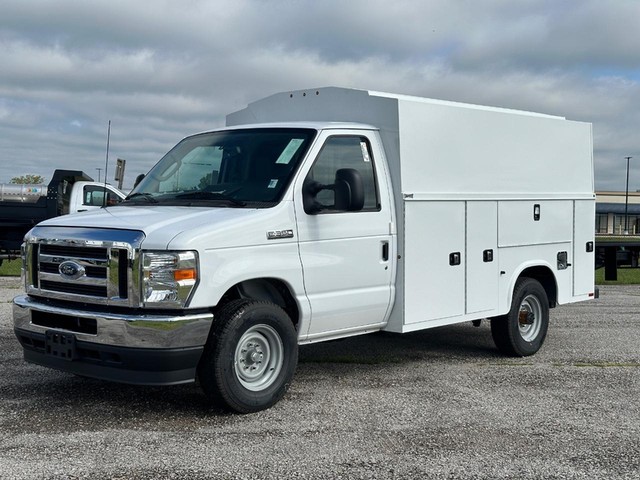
(610, 213)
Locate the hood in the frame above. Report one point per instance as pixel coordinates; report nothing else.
(177, 227)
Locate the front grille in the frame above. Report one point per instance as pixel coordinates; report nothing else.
(74, 251)
(77, 289)
(85, 265)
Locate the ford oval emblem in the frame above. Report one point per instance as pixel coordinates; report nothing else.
(70, 270)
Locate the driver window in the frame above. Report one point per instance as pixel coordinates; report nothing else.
(344, 152)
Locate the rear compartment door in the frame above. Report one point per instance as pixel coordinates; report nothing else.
(482, 257)
(583, 245)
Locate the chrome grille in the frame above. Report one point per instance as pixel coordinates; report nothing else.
(81, 264)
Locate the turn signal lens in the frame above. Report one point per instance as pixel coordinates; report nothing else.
(187, 274)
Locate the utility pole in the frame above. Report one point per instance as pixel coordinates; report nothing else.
(99, 170)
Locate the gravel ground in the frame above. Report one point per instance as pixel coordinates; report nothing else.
(441, 403)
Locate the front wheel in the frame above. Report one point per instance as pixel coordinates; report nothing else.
(250, 357)
(522, 331)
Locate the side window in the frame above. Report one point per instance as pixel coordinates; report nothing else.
(94, 196)
(343, 152)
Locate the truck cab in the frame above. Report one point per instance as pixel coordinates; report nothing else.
(87, 196)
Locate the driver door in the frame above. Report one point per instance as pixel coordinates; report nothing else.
(345, 254)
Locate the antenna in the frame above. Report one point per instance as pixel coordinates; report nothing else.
(106, 164)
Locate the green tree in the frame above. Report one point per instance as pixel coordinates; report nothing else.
(28, 179)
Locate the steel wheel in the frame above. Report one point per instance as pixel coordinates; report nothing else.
(250, 357)
(259, 357)
(522, 330)
(530, 318)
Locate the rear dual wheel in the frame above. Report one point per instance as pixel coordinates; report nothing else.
(522, 331)
(250, 357)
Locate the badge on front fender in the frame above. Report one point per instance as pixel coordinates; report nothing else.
(276, 234)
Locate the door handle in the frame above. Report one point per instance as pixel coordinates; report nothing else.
(385, 251)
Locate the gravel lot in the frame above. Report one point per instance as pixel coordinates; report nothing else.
(435, 404)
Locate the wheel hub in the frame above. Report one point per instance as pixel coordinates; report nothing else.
(530, 318)
(252, 355)
(256, 357)
(259, 357)
(526, 317)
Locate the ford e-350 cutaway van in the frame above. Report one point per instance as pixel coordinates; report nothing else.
(315, 215)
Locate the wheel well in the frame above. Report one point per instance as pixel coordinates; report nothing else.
(264, 289)
(546, 279)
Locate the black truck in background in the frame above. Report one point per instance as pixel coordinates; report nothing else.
(24, 206)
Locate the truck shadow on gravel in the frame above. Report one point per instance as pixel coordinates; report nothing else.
(455, 343)
(65, 403)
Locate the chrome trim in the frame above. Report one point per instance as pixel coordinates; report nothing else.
(146, 331)
(54, 277)
(80, 260)
(94, 249)
(27, 256)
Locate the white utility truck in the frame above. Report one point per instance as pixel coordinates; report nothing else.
(316, 215)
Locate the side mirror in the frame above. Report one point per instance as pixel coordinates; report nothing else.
(138, 180)
(349, 190)
(310, 189)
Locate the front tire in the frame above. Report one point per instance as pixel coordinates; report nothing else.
(250, 357)
(522, 331)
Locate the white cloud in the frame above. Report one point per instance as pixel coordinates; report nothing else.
(160, 70)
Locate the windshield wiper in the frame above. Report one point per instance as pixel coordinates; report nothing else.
(200, 195)
(146, 196)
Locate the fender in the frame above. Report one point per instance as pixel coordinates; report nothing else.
(540, 270)
(223, 269)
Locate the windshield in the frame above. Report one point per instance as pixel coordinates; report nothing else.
(234, 168)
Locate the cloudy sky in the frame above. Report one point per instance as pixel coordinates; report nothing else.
(160, 70)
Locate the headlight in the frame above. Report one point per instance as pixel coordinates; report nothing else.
(169, 278)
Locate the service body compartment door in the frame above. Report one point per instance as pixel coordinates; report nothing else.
(583, 247)
(434, 270)
(482, 257)
(534, 222)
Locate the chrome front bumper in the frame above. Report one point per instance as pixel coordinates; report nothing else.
(132, 331)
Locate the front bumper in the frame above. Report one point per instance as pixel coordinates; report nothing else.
(140, 349)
